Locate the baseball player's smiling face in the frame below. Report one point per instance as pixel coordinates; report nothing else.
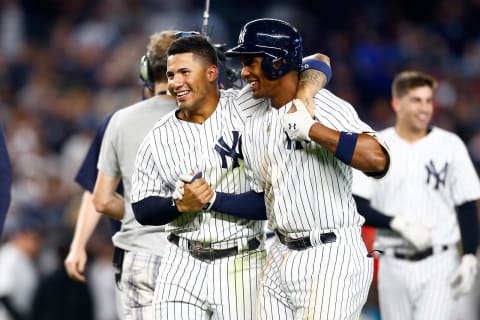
(253, 74)
(414, 110)
(191, 81)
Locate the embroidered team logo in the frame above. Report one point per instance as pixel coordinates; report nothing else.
(437, 177)
(234, 151)
(241, 37)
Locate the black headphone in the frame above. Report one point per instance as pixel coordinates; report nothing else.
(146, 72)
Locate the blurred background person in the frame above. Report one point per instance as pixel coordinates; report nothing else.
(18, 271)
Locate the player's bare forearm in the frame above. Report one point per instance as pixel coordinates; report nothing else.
(368, 155)
(106, 200)
(113, 206)
(311, 81)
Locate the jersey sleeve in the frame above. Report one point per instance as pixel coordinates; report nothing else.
(87, 173)
(338, 114)
(146, 179)
(362, 185)
(466, 185)
(108, 162)
(253, 177)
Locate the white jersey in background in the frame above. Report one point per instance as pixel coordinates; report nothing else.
(427, 180)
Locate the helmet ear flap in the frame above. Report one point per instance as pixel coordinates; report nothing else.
(274, 68)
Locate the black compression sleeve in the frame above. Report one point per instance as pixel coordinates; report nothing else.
(155, 211)
(468, 223)
(248, 205)
(372, 217)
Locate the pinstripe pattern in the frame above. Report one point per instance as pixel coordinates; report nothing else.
(308, 192)
(329, 281)
(175, 147)
(413, 294)
(312, 176)
(420, 290)
(140, 271)
(189, 288)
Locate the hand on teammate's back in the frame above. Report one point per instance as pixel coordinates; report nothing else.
(298, 121)
(417, 234)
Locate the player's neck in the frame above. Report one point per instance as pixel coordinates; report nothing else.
(284, 90)
(161, 88)
(202, 111)
(410, 135)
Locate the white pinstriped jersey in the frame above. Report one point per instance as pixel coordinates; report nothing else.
(175, 147)
(427, 179)
(306, 187)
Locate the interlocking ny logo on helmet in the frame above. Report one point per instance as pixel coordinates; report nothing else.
(275, 40)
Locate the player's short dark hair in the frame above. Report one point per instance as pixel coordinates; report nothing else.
(196, 44)
(157, 53)
(408, 80)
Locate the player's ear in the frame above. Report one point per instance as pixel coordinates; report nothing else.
(395, 104)
(277, 64)
(212, 73)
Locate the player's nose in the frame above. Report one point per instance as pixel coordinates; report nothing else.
(245, 72)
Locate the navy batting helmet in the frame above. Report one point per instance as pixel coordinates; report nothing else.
(275, 40)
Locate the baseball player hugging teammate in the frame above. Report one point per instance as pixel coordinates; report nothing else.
(212, 266)
(423, 208)
(299, 164)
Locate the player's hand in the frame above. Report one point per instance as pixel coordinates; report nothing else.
(297, 123)
(178, 192)
(417, 234)
(184, 178)
(197, 194)
(75, 265)
(464, 277)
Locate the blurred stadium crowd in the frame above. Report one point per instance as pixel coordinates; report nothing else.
(64, 65)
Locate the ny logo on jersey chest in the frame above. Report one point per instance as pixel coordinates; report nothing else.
(234, 151)
(437, 177)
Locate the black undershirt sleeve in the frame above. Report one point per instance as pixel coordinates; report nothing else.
(155, 211)
(372, 217)
(247, 205)
(468, 223)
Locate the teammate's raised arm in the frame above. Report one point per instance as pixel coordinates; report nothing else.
(360, 150)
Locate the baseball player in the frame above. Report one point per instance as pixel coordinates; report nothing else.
(423, 208)
(318, 268)
(212, 267)
(5, 180)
